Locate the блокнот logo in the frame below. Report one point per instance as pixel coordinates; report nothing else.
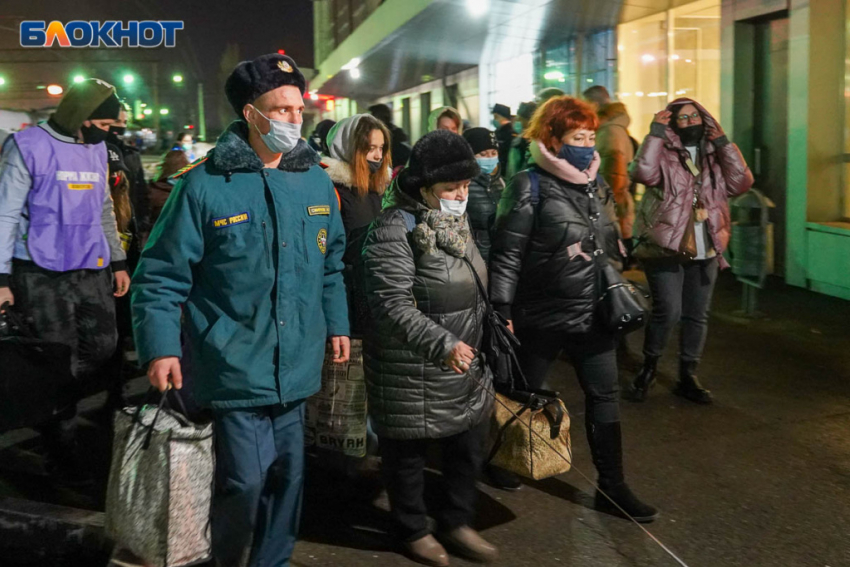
(112, 33)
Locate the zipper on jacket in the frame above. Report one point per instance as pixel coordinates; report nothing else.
(266, 246)
(304, 241)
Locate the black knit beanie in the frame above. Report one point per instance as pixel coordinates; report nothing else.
(440, 156)
(252, 79)
(481, 139)
(82, 102)
(108, 109)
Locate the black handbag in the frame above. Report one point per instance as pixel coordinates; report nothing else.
(35, 375)
(499, 346)
(621, 308)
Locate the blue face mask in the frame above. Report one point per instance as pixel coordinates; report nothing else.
(518, 127)
(282, 137)
(579, 157)
(488, 164)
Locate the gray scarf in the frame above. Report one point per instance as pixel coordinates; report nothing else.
(437, 229)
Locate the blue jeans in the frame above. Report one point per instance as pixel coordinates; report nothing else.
(259, 479)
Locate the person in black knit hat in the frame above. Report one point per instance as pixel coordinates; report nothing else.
(425, 384)
(485, 191)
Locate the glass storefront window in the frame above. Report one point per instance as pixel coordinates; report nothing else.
(599, 57)
(512, 82)
(670, 55)
(695, 53)
(642, 69)
(559, 67)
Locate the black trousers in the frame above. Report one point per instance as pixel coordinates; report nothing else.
(594, 357)
(404, 475)
(74, 308)
(680, 292)
(77, 309)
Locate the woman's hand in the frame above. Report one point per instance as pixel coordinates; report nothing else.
(511, 326)
(713, 132)
(663, 117)
(460, 358)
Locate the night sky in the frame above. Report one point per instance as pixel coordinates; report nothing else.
(254, 28)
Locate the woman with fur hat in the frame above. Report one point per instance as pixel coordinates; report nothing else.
(690, 170)
(359, 165)
(426, 383)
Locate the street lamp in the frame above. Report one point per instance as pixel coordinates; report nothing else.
(177, 78)
(163, 111)
(54, 90)
(147, 112)
(79, 78)
(2, 81)
(128, 79)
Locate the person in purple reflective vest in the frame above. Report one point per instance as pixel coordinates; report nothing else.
(61, 259)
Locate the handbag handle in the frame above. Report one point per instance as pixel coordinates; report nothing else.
(163, 402)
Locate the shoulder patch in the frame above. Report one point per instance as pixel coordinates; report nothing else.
(189, 167)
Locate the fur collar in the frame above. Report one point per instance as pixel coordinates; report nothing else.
(339, 171)
(232, 152)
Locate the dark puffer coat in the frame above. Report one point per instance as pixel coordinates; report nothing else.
(485, 191)
(533, 279)
(422, 305)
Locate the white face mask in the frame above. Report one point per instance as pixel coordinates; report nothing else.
(282, 137)
(453, 207)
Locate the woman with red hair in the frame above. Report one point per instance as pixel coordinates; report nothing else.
(556, 223)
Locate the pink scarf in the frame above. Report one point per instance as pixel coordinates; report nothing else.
(561, 168)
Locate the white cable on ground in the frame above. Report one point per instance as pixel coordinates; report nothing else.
(593, 484)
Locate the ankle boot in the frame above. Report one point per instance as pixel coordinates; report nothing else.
(606, 447)
(689, 387)
(469, 544)
(427, 551)
(644, 381)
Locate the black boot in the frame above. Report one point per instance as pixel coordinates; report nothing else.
(689, 387)
(607, 449)
(644, 381)
(502, 479)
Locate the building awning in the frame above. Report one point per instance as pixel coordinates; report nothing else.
(405, 43)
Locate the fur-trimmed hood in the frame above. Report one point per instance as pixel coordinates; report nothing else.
(339, 171)
(232, 153)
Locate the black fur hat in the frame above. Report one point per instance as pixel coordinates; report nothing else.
(438, 157)
(252, 79)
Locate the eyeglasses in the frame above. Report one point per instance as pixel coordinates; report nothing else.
(683, 118)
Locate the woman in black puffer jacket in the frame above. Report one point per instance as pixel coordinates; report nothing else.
(425, 381)
(485, 190)
(544, 269)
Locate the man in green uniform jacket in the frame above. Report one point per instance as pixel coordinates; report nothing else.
(248, 252)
